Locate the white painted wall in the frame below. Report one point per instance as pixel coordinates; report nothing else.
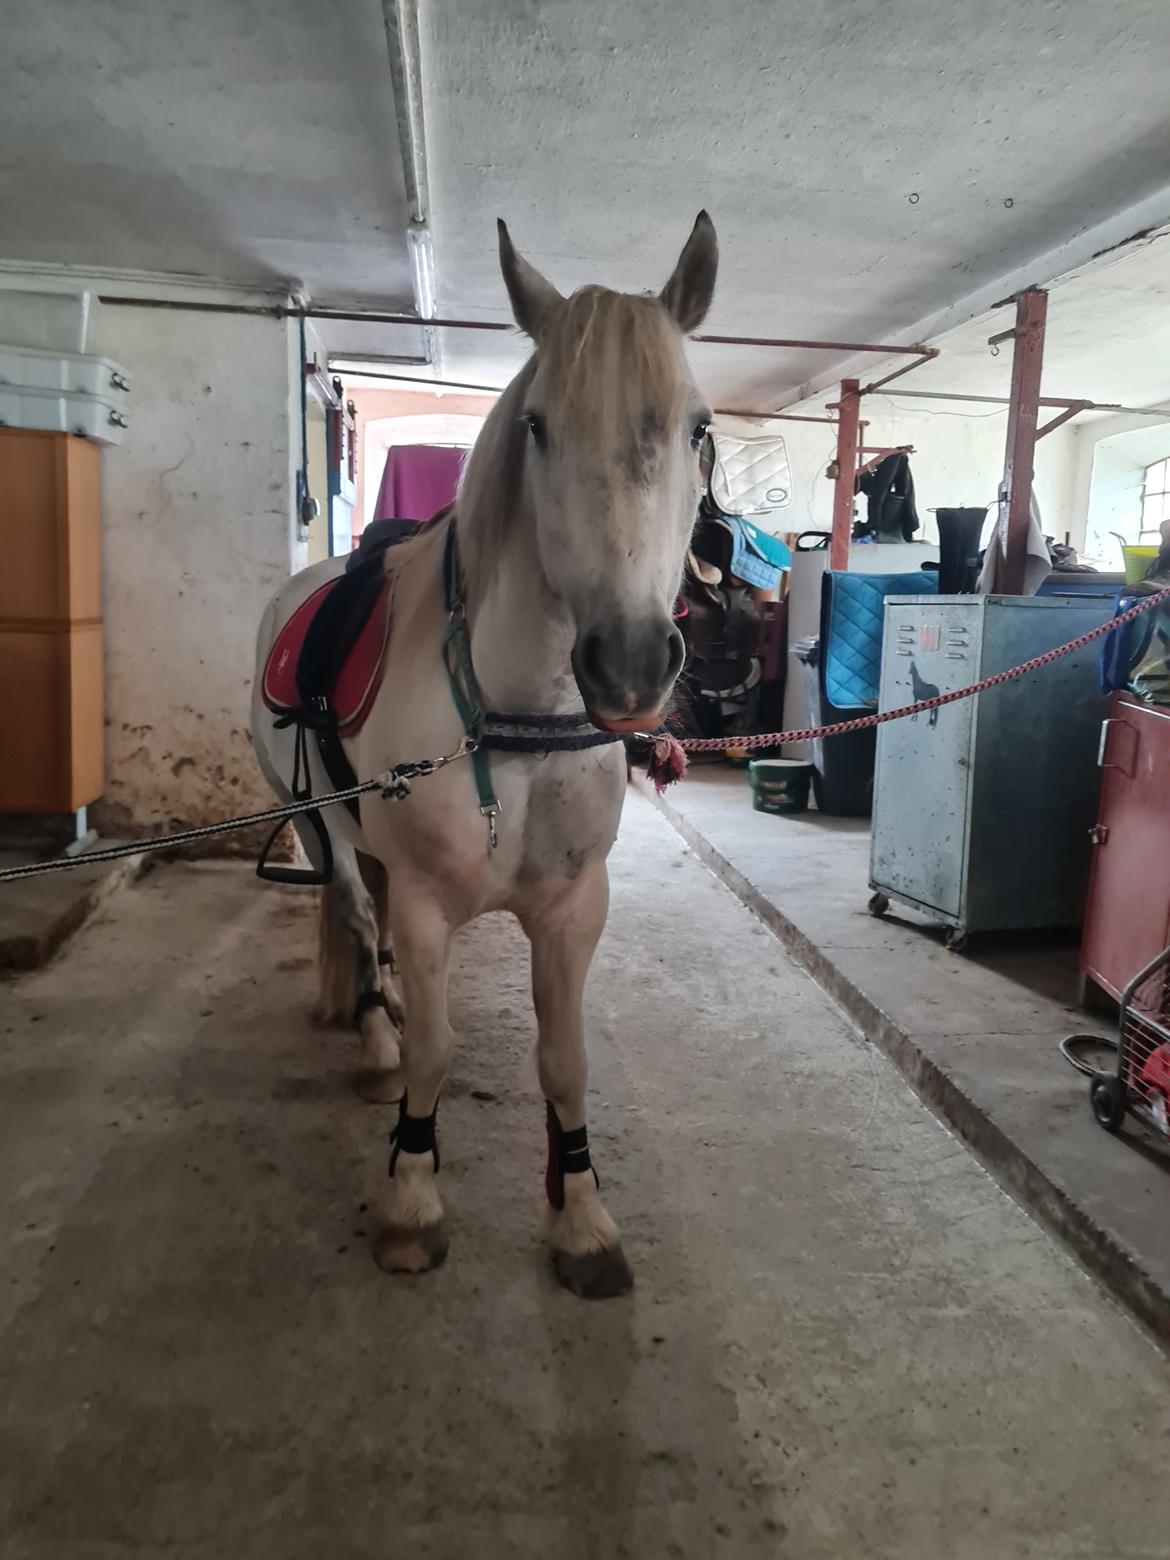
(958, 461)
(198, 531)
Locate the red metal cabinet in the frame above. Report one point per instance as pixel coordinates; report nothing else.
(1127, 918)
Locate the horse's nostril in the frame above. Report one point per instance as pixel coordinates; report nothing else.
(591, 658)
(675, 655)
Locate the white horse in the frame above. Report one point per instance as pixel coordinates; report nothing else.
(572, 523)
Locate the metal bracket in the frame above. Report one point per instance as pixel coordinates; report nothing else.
(491, 813)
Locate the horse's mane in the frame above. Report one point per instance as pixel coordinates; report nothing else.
(609, 359)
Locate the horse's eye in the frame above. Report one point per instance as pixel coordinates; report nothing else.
(538, 429)
(699, 433)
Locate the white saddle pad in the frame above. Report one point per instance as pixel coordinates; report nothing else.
(750, 475)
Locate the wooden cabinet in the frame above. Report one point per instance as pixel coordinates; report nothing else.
(1127, 917)
(52, 750)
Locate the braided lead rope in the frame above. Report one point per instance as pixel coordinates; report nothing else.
(394, 785)
(775, 738)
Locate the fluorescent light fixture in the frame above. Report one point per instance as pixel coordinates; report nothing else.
(422, 265)
(400, 18)
(352, 360)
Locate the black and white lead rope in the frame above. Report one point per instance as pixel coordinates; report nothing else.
(394, 785)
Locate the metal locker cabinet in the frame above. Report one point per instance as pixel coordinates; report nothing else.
(982, 809)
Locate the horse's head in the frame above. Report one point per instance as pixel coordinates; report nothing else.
(614, 423)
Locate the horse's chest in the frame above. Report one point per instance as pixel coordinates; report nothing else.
(572, 811)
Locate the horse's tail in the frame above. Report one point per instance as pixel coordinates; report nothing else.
(336, 965)
(347, 901)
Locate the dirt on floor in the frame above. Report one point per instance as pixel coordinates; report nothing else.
(844, 1340)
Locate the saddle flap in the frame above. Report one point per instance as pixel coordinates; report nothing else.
(354, 671)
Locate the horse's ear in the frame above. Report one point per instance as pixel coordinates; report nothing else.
(533, 298)
(689, 292)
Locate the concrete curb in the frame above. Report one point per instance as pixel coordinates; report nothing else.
(1107, 1258)
(38, 915)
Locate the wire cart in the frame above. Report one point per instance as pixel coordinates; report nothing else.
(1140, 1084)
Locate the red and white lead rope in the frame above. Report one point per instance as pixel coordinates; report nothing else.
(775, 738)
(667, 759)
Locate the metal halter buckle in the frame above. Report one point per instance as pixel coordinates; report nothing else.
(491, 813)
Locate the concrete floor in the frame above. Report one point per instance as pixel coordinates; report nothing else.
(844, 1339)
(976, 1032)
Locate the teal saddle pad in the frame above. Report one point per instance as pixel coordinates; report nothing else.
(853, 609)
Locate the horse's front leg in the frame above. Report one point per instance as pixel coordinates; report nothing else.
(412, 1234)
(587, 1253)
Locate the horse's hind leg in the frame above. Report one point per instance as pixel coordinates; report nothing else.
(351, 983)
(377, 881)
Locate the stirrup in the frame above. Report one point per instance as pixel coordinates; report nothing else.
(304, 877)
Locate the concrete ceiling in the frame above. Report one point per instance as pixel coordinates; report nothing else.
(239, 139)
(1107, 337)
(869, 168)
(598, 130)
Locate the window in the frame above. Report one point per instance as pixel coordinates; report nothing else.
(1155, 498)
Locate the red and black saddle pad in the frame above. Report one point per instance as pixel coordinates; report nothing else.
(332, 647)
(321, 676)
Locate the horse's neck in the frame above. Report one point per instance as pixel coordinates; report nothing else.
(522, 637)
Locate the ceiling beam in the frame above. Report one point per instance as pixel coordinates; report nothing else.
(1127, 226)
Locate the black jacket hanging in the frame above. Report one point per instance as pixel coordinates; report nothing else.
(889, 488)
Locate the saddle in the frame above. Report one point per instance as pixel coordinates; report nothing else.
(332, 649)
(321, 675)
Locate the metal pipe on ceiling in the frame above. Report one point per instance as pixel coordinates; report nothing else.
(463, 384)
(816, 346)
(280, 311)
(1045, 400)
(928, 356)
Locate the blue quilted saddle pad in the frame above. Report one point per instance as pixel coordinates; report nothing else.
(852, 634)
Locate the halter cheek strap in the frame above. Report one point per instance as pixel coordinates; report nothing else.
(568, 1153)
(464, 688)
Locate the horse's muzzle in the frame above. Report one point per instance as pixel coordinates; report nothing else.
(625, 671)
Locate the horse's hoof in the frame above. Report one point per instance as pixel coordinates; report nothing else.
(597, 1275)
(401, 1250)
(379, 1088)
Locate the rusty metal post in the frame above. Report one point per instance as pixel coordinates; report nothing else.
(848, 416)
(1015, 494)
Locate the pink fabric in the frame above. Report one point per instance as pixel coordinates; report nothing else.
(419, 480)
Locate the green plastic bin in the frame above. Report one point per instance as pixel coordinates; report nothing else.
(780, 785)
